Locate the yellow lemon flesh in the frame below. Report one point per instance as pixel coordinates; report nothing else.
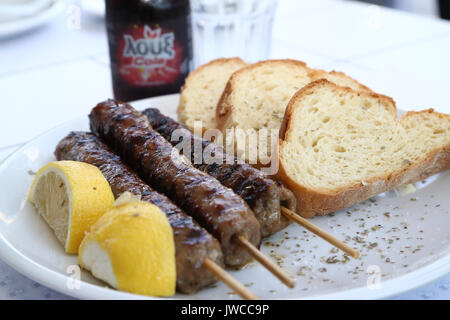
(70, 196)
(131, 248)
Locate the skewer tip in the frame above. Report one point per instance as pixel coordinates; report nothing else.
(267, 263)
(229, 280)
(320, 232)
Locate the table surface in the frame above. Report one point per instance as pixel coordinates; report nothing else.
(402, 55)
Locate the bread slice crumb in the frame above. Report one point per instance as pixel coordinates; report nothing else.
(339, 147)
(256, 96)
(202, 90)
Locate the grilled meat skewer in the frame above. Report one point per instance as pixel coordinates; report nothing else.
(192, 243)
(271, 202)
(264, 195)
(217, 208)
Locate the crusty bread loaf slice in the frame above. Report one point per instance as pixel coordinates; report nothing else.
(338, 78)
(202, 90)
(256, 96)
(339, 147)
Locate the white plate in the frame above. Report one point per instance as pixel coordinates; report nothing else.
(406, 248)
(28, 22)
(94, 7)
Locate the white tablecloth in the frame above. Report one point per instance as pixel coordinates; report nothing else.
(58, 72)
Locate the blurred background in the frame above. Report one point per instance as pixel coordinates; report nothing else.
(436, 8)
(427, 7)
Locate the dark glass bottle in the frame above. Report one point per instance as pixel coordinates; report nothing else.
(150, 46)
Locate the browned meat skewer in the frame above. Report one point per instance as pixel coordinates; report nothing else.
(192, 243)
(264, 195)
(217, 208)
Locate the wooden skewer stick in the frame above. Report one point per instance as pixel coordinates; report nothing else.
(229, 280)
(266, 262)
(319, 232)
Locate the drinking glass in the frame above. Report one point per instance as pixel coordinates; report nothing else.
(232, 28)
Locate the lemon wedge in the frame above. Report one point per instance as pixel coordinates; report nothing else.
(131, 247)
(70, 196)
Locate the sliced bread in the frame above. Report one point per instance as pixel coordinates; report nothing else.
(256, 96)
(202, 90)
(339, 147)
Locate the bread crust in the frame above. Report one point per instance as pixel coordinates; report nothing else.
(224, 107)
(320, 202)
(206, 65)
(310, 87)
(342, 74)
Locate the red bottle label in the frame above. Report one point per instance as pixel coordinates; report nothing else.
(150, 56)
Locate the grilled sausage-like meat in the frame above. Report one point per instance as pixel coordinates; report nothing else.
(264, 195)
(192, 243)
(217, 208)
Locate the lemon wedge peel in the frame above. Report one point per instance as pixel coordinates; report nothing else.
(85, 193)
(139, 242)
